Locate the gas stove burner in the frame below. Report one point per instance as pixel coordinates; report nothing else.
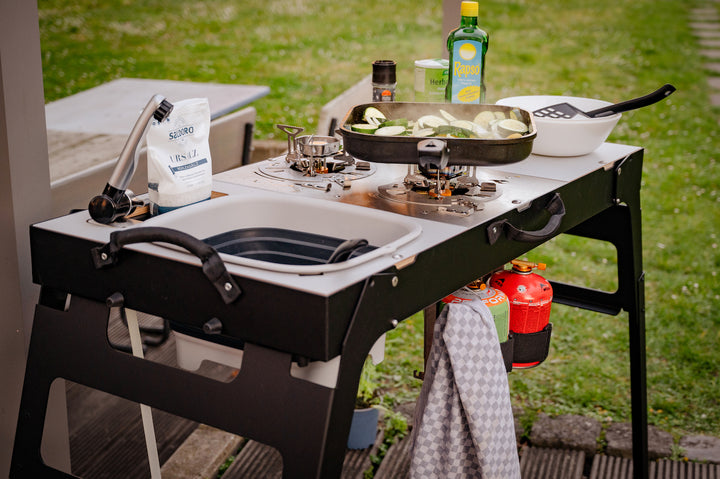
(317, 155)
(446, 173)
(335, 169)
(457, 190)
(319, 166)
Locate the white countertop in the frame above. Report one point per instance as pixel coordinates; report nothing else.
(550, 174)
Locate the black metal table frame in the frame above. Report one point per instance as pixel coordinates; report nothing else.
(306, 422)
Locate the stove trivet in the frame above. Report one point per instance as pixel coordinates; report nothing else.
(455, 191)
(279, 169)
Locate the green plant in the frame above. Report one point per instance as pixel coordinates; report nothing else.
(678, 453)
(368, 385)
(225, 466)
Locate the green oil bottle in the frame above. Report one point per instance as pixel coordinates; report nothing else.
(467, 46)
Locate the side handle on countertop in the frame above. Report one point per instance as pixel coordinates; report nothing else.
(555, 207)
(212, 265)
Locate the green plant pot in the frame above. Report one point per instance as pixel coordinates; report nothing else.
(363, 429)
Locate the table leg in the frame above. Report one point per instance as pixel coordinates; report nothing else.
(620, 225)
(307, 423)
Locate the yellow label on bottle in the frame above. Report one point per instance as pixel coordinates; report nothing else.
(467, 69)
(469, 94)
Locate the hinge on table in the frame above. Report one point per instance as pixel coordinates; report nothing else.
(618, 171)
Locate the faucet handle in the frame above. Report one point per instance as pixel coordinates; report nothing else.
(163, 110)
(111, 205)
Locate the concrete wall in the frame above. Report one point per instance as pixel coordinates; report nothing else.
(451, 20)
(24, 199)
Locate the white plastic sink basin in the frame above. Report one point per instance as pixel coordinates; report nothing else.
(383, 230)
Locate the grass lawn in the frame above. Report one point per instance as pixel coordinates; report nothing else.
(310, 51)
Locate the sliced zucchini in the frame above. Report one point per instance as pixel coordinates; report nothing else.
(424, 132)
(364, 128)
(447, 116)
(373, 116)
(390, 130)
(484, 118)
(515, 114)
(468, 125)
(431, 121)
(508, 127)
(415, 131)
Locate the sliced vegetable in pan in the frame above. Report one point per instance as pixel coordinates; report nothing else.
(486, 125)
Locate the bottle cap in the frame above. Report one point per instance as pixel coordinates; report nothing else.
(469, 9)
(383, 71)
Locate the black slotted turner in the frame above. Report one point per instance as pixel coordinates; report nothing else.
(566, 110)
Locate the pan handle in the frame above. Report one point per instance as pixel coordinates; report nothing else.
(555, 207)
(212, 265)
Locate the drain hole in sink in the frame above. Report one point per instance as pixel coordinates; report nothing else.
(281, 246)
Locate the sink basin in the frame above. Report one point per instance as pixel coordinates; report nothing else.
(290, 234)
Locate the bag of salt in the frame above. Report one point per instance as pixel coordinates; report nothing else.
(178, 157)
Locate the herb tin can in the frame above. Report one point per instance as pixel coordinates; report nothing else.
(431, 77)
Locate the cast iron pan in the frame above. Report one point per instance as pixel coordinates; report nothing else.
(463, 151)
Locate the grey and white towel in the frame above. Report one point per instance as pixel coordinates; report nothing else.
(463, 421)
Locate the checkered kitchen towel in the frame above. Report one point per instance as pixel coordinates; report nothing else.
(463, 421)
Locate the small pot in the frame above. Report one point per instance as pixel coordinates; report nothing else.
(363, 429)
(314, 145)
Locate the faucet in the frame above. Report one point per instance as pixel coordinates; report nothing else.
(116, 201)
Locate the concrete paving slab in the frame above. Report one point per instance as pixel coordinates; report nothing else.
(566, 432)
(710, 42)
(705, 25)
(201, 454)
(709, 16)
(714, 82)
(703, 12)
(710, 53)
(713, 67)
(706, 33)
(701, 448)
(619, 441)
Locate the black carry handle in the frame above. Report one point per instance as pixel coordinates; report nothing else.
(212, 265)
(654, 97)
(345, 250)
(555, 207)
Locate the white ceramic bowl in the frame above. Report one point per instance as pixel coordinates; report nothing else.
(566, 137)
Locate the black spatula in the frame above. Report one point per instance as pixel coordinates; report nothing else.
(566, 110)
